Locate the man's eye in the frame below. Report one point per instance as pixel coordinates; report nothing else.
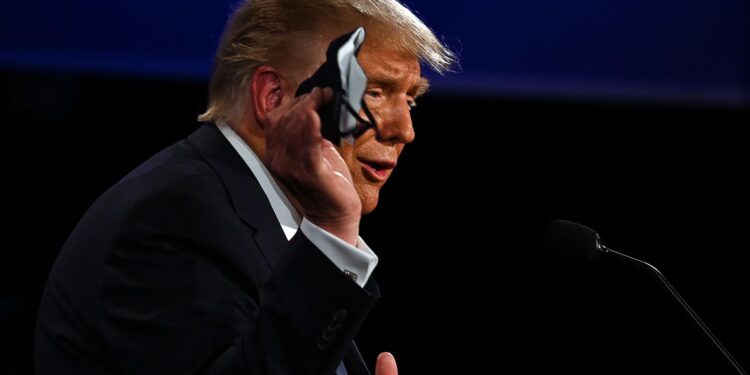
(412, 104)
(374, 98)
(374, 93)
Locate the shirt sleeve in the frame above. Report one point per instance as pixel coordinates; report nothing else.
(356, 262)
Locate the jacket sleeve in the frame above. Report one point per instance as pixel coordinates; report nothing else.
(171, 303)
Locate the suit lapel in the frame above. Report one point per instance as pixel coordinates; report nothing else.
(252, 206)
(355, 364)
(249, 201)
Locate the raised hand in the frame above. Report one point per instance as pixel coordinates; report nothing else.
(310, 167)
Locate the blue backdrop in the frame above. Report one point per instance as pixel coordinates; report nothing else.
(694, 50)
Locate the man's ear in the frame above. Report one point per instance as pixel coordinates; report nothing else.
(267, 92)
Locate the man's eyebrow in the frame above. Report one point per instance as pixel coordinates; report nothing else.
(383, 81)
(422, 85)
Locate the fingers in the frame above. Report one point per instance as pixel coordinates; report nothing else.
(327, 94)
(332, 156)
(314, 100)
(309, 102)
(304, 127)
(294, 126)
(303, 116)
(386, 364)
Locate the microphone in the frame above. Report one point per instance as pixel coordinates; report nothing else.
(583, 244)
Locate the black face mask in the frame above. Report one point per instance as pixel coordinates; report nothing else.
(340, 118)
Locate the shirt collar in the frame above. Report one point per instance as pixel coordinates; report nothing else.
(285, 212)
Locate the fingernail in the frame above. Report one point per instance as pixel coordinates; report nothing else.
(385, 354)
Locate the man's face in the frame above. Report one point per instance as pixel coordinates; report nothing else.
(394, 82)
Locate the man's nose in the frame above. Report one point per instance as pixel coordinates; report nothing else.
(395, 126)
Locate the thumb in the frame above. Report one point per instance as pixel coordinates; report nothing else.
(386, 365)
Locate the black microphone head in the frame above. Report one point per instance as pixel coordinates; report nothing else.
(572, 240)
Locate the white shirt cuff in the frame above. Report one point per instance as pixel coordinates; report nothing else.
(356, 262)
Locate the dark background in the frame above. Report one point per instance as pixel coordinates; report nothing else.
(650, 151)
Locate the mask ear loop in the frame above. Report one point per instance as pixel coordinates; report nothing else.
(362, 124)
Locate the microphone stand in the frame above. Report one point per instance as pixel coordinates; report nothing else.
(679, 299)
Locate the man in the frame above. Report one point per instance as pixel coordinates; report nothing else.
(237, 250)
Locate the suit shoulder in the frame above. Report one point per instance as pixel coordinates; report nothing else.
(176, 177)
(176, 168)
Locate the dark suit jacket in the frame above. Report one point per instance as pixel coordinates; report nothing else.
(182, 267)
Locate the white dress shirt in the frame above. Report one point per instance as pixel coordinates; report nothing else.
(357, 262)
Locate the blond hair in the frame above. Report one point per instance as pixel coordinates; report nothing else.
(266, 32)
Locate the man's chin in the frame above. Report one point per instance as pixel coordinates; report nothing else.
(369, 206)
(369, 196)
(367, 210)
